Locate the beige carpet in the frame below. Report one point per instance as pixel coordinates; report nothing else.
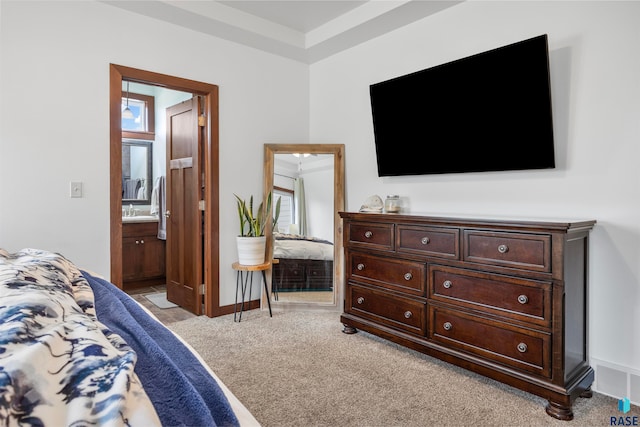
(299, 369)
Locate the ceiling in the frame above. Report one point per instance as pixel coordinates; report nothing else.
(302, 16)
(304, 30)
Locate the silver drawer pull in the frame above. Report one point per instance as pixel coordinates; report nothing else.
(425, 241)
(360, 300)
(447, 284)
(137, 242)
(142, 241)
(360, 266)
(368, 234)
(408, 314)
(447, 326)
(522, 299)
(503, 249)
(522, 347)
(408, 276)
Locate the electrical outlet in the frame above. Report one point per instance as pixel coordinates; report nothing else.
(75, 189)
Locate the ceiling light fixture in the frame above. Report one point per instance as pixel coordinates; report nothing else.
(127, 113)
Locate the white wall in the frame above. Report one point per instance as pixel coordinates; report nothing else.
(51, 133)
(164, 98)
(596, 102)
(54, 107)
(317, 186)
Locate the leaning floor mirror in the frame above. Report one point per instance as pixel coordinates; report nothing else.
(306, 242)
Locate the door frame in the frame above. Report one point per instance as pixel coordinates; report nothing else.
(211, 261)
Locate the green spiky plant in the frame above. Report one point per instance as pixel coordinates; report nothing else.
(252, 224)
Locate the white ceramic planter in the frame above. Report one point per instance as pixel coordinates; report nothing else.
(251, 250)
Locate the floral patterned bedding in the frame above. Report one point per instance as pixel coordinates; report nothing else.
(58, 364)
(62, 366)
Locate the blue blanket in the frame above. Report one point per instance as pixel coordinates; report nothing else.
(182, 391)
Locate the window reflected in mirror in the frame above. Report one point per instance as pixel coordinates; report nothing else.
(285, 218)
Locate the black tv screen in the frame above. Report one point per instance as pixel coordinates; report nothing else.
(486, 112)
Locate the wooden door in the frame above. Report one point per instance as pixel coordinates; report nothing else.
(184, 217)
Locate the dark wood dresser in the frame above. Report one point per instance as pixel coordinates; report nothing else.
(500, 297)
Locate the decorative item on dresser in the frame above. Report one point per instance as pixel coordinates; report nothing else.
(504, 298)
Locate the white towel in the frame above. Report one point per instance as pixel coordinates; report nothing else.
(162, 207)
(155, 208)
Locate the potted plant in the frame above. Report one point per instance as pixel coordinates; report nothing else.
(251, 240)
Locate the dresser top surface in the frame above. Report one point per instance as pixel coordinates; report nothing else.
(471, 220)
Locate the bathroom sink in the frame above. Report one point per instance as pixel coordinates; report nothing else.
(140, 218)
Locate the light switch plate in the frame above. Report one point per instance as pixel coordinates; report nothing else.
(75, 189)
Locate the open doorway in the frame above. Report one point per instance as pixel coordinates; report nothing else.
(209, 169)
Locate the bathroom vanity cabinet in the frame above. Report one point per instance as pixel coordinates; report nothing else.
(505, 298)
(143, 255)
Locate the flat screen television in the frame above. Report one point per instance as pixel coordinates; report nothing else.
(486, 112)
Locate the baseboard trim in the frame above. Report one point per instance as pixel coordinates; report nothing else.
(616, 380)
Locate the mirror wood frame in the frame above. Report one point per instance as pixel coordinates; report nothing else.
(270, 150)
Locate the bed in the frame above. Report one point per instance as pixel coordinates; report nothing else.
(304, 264)
(75, 350)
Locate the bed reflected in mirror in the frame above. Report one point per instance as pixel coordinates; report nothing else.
(308, 179)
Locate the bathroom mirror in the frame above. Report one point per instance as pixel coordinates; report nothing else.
(306, 244)
(136, 172)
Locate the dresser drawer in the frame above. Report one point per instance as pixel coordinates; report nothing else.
(514, 297)
(387, 308)
(320, 274)
(371, 235)
(516, 250)
(137, 229)
(289, 275)
(428, 241)
(400, 275)
(524, 349)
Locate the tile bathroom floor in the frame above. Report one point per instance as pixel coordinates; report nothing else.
(164, 315)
